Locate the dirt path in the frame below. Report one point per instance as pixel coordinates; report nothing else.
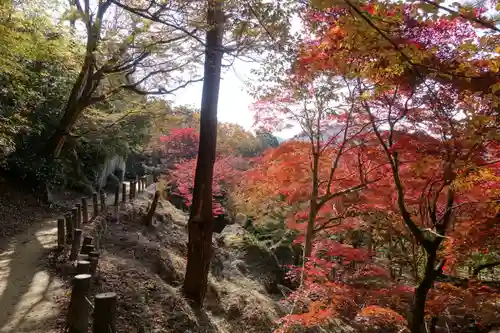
(27, 289)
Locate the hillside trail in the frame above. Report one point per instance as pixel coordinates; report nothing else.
(28, 291)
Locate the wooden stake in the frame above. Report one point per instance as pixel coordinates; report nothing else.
(103, 201)
(79, 214)
(87, 240)
(74, 218)
(83, 257)
(83, 267)
(69, 228)
(85, 210)
(124, 192)
(148, 219)
(94, 261)
(117, 195)
(75, 246)
(105, 313)
(61, 236)
(131, 190)
(87, 249)
(78, 312)
(94, 204)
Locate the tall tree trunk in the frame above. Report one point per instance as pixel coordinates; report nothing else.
(313, 209)
(432, 271)
(201, 220)
(77, 102)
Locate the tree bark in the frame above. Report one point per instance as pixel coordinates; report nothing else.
(201, 221)
(313, 209)
(82, 90)
(430, 275)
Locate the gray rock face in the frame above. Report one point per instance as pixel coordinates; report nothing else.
(112, 171)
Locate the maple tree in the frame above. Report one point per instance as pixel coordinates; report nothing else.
(226, 171)
(426, 85)
(318, 175)
(180, 144)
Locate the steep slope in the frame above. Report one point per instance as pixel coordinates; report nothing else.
(145, 266)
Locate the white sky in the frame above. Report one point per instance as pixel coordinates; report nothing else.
(234, 100)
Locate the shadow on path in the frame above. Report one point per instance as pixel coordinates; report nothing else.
(26, 300)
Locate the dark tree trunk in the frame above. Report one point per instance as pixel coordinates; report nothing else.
(432, 271)
(201, 220)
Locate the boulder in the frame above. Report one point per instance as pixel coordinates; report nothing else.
(111, 167)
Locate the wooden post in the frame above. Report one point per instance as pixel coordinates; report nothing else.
(75, 246)
(103, 201)
(94, 260)
(69, 228)
(83, 257)
(85, 210)
(83, 267)
(131, 190)
(86, 241)
(117, 194)
(124, 192)
(138, 182)
(87, 249)
(105, 313)
(61, 237)
(78, 312)
(148, 219)
(74, 218)
(79, 214)
(94, 204)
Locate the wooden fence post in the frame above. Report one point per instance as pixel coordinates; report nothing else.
(83, 257)
(85, 210)
(83, 267)
(124, 192)
(105, 313)
(79, 214)
(87, 240)
(61, 236)
(131, 190)
(69, 228)
(117, 194)
(75, 246)
(103, 201)
(148, 219)
(94, 261)
(78, 312)
(87, 249)
(94, 204)
(74, 218)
